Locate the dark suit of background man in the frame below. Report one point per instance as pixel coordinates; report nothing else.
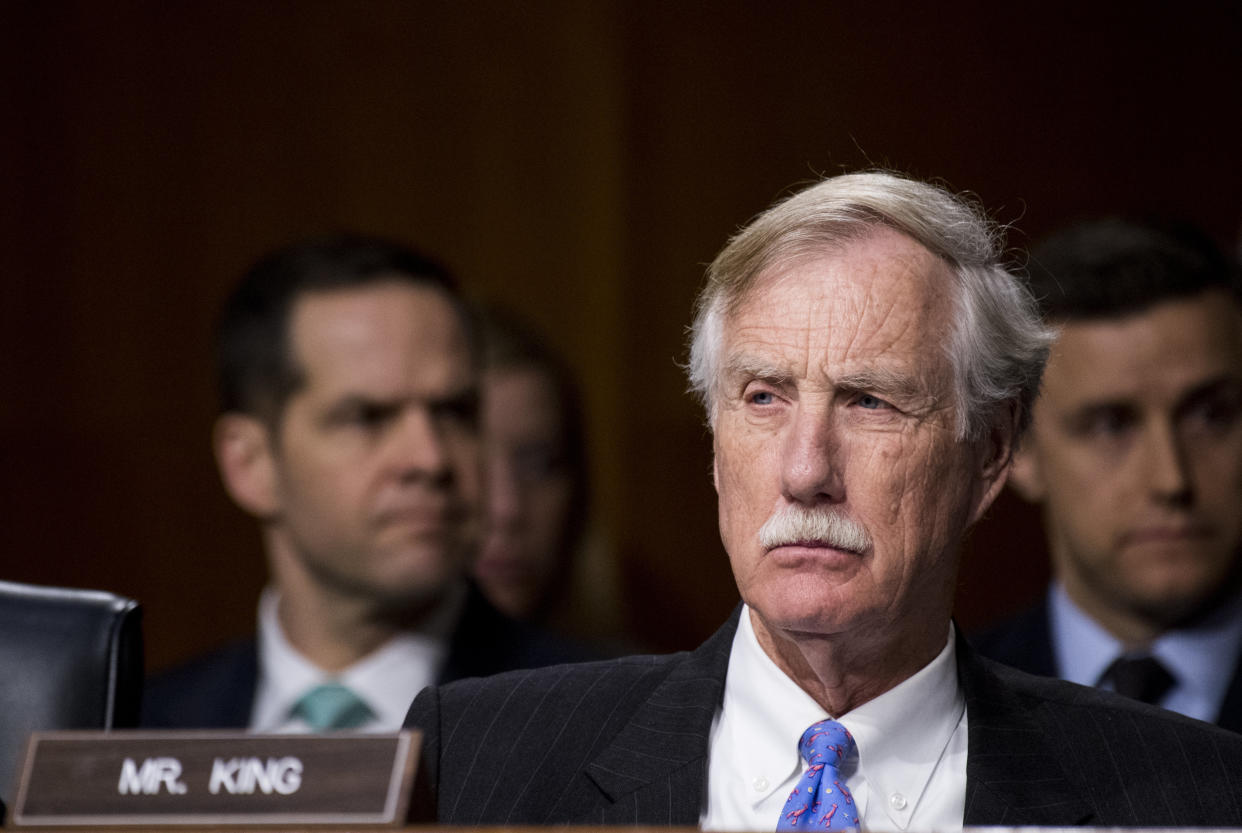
(1135, 453)
(867, 367)
(348, 429)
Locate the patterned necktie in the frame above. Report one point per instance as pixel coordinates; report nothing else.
(820, 801)
(332, 706)
(1142, 678)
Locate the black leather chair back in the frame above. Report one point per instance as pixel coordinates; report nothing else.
(69, 659)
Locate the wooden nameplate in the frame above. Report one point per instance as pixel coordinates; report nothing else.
(124, 778)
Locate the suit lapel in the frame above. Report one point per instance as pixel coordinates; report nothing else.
(1013, 772)
(1230, 716)
(1041, 659)
(472, 648)
(671, 728)
(221, 696)
(237, 704)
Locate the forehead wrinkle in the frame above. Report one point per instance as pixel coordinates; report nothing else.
(861, 328)
(748, 364)
(760, 352)
(774, 351)
(908, 299)
(840, 330)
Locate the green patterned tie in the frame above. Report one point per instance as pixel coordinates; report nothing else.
(332, 706)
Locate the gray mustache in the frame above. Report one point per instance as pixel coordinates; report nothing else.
(796, 524)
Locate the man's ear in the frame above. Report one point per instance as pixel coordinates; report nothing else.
(247, 463)
(1027, 476)
(997, 458)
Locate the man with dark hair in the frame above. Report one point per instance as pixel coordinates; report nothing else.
(866, 364)
(349, 392)
(1135, 454)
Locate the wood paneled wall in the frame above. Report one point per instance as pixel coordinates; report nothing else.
(578, 161)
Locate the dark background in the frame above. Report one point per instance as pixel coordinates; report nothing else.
(580, 161)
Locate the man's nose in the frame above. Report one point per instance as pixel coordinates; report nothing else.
(811, 467)
(1167, 463)
(418, 446)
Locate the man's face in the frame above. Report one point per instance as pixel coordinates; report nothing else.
(1136, 451)
(836, 396)
(376, 463)
(530, 490)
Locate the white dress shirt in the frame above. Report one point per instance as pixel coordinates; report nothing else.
(386, 679)
(908, 771)
(1202, 658)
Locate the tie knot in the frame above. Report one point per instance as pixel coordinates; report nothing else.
(821, 801)
(1140, 677)
(826, 742)
(332, 706)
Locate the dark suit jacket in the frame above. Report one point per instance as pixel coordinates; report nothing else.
(1025, 642)
(217, 691)
(624, 742)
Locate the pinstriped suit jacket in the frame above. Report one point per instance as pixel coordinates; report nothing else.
(624, 742)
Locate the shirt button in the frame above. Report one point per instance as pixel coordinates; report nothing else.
(898, 801)
(760, 784)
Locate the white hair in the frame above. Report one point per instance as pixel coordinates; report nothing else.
(998, 345)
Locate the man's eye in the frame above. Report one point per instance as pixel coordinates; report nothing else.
(1109, 423)
(871, 403)
(762, 397)
(370, 417)
(462, 410)
(1216, 412)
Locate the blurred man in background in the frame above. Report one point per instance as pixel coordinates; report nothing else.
(349, 429)
(1135, 455)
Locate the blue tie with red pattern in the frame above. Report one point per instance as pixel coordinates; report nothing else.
(820, 801)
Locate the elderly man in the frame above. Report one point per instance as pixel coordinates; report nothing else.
(866, 367)
(1135, 453)
(349, 393)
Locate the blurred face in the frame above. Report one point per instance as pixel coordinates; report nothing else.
(376, 462)
(1136, 451)
(530, 491)
(843, 493)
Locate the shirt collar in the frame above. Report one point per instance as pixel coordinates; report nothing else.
(1084, 650)
(1194, 654)
(903, 733)
(900, 735)
(386, 679)
(771, 707)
